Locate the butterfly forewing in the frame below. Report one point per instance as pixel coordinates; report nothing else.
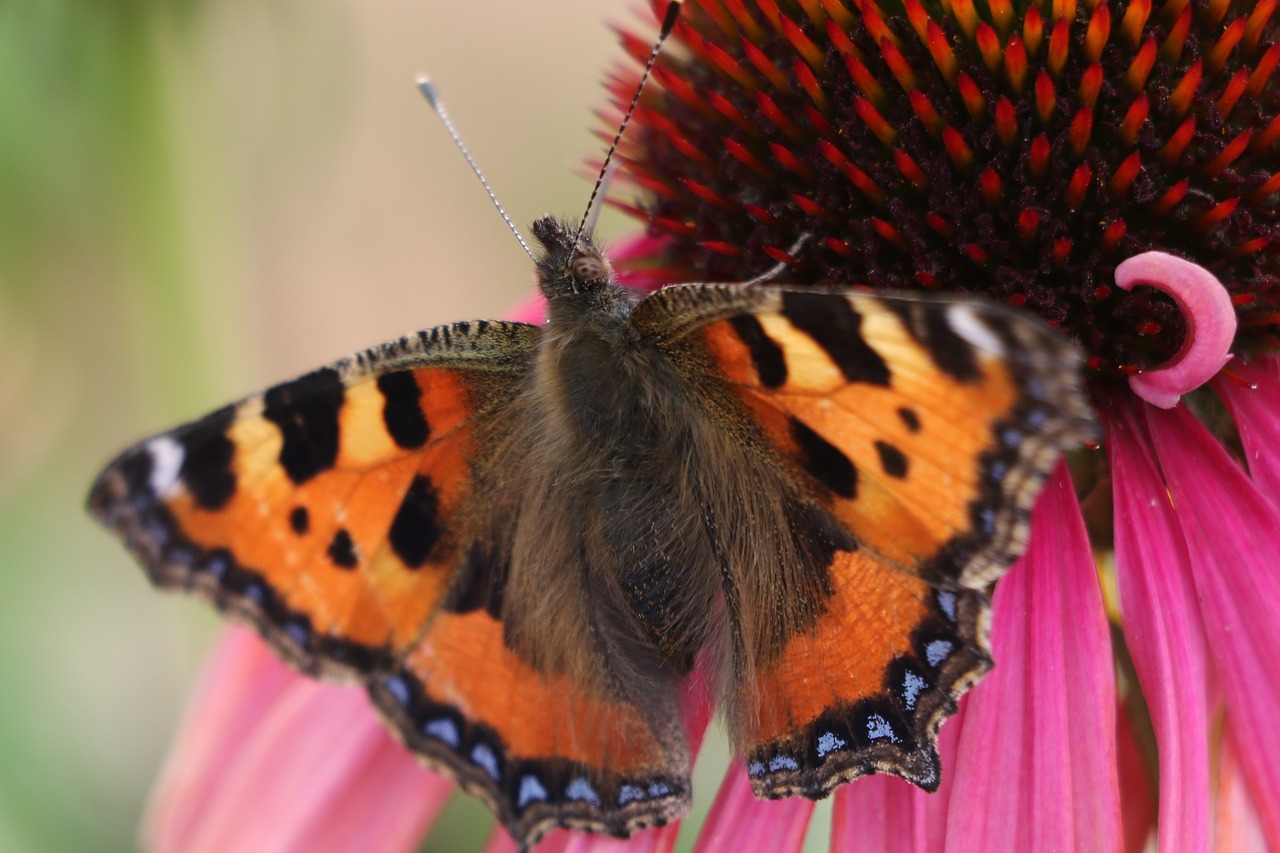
(324, 511)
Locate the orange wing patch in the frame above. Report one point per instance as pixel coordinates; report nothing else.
(866, 688)
(538, 750)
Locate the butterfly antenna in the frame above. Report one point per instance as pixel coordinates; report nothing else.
(668, 24)
(428, 90)
(781, 266)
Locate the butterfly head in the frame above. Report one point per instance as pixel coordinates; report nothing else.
(569, 264)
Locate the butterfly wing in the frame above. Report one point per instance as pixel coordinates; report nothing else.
(916, 434)
(339, 515)
(540, 751)
(328, 511)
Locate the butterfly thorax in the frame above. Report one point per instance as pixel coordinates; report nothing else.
(597, 462)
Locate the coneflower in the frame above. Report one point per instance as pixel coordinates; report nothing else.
(1111, 167)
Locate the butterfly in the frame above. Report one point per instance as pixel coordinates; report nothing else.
(522, 539)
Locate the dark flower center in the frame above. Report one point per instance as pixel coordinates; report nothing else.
(1019, 151)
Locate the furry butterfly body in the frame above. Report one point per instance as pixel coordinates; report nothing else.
(522, 539)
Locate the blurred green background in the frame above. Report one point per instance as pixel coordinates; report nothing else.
(198, 199)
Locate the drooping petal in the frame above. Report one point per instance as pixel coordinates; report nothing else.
(739, 821)
(887, 814)
(1232, 533)
(1236, 820)
(1137, 783)
(1252, 392)
(268, 759)
(1036, 764)
(1162, 630)
(1210, 320)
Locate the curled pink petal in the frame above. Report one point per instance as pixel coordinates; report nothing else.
(1211, 324)
(1232, 533)
(1036, 765)
(1162, 630)
(270, 760)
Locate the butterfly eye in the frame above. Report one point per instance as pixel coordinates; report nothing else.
(588, 269)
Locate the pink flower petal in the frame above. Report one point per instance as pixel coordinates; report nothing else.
(1232, 533)
(1036, 764)
(532, 311)
(888, 814)
(1237, 826)
(1211, 324)
(1162, 630)
(739, 821)
(1139, 812)
(271, 760)
(1252, 392)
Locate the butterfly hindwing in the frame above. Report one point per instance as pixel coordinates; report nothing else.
(916, 432)
(325, 511)
(540, 751)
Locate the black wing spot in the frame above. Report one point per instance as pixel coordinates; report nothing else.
(766, 355)
(892, 460)
(306, 411)
(835, 326)
(416, 527)
(206, 460)
(909, 419)
(342, 550)
(951, 353)
(928, 326)
(826, 462)
(299, 520)
(402, 410)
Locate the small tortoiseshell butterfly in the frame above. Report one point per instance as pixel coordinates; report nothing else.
(521, 538)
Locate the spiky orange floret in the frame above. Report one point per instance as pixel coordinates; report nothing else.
(1021, 150)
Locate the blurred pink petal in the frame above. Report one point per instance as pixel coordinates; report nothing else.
(1036, 763)
(1162, 629)
(1252, 391)
(1138, 785)
(270, 760)
(534, 311)
(739, 821)
(886, 813)
(1211, 324)
(1237, 825)
(1232, 533)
